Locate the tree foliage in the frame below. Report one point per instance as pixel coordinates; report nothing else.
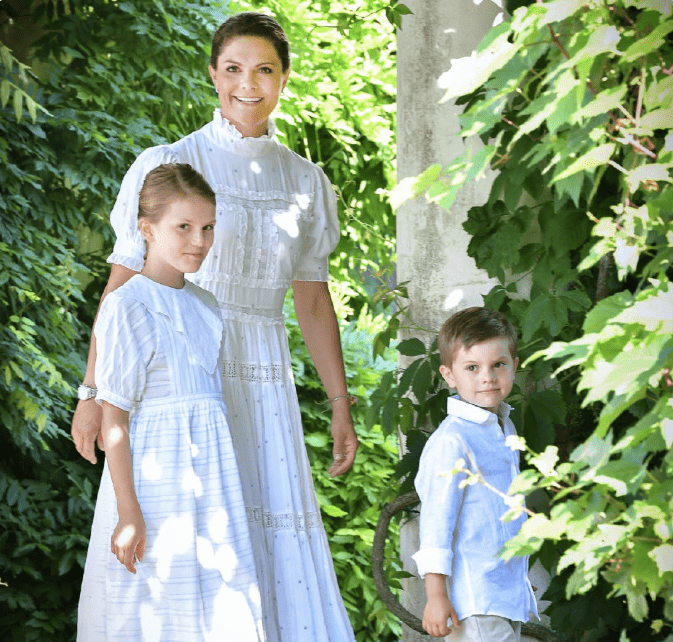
(573, 103)
(103, 81)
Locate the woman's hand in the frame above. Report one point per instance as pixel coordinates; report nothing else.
(85, 429)
(345, 440)
(129, 537)
(320, 329)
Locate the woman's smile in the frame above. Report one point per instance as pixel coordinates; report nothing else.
(248, 79)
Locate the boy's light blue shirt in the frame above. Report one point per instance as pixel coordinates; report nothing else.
(460, 528)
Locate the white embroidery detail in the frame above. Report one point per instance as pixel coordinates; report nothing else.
(283, 521)
(257, 372)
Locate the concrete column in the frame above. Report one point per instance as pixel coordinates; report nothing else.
(431, 243)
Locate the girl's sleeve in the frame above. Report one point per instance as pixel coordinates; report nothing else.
(125, 344)
(441, 499)
(322, 234)
(129, 248)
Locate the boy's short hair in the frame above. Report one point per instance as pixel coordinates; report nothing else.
(471, 326)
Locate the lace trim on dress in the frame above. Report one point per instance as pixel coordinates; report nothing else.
(231, 130)
(257, 372)
(237, 279)
(269, 200)
(242, 222)
(283, 521)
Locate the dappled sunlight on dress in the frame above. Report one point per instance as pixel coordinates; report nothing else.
(276, 223)
(158, 351)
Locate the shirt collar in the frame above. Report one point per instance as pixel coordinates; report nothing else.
(456, 407)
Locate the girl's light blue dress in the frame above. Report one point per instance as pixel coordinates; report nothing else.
(158, 352)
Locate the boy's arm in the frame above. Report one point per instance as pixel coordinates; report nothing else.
(438, 608)
(129, 537)
(441, 500)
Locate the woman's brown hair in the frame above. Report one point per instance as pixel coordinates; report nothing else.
(250, 23)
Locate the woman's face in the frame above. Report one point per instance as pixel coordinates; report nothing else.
(248, 79)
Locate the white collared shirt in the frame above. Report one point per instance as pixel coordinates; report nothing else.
(460, 528)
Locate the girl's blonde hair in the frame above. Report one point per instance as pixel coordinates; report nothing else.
(167, 183)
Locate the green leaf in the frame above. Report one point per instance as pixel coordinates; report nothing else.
(412, 186)
(4, 92)
(333, 511)
(663, 556)
(604, 102)
(467, 74)
(657, 119)
(653, 310)
(597, 156)
(422, 381)
(317, 440)
(560, 10)
(627, 372)
(411, 347)
(18, 104)
(650, 43)
(576, 300)
(606, 310)
(408, 376)
(651, 172)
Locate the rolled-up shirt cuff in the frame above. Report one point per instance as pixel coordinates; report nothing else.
(433, 560)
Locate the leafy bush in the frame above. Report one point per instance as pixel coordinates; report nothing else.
(573, 102)
(351, 504)
(115, 78)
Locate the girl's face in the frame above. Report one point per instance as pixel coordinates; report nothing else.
(249, 79)
(179, 241)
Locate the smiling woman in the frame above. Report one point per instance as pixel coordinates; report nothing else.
(248, 77)
(276, 224)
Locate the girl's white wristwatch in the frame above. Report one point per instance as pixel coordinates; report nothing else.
(85, 392)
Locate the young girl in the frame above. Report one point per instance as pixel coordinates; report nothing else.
(179, 565)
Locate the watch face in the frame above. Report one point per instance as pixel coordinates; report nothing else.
(85, 392)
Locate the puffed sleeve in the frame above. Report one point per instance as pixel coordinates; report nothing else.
(441, 499)
(126, 340)
(129, 248)
(322, 234)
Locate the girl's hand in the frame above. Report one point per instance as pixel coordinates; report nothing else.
(345, 440)
(437, 612)
(129, 537)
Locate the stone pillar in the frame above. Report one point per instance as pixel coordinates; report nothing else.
(431, 243)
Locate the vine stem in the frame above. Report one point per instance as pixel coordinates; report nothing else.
(481, 480)
(628, 139)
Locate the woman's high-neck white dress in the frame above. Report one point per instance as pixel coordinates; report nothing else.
(276, 223)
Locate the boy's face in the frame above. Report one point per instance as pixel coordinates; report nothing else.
(484, 374)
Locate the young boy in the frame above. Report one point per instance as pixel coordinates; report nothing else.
(460, 528)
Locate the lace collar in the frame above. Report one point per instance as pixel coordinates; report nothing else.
(192, 311)
(226, 134)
